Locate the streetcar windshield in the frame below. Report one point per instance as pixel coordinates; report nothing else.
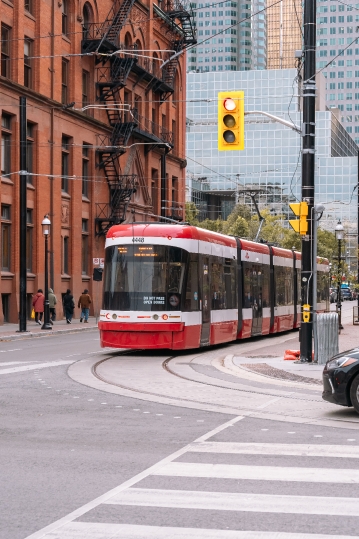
(144, 277)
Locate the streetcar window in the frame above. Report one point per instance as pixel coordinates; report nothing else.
(191, 301)
(247, 293)
(265, 285)
(144, 277)
(284, 292)
(217, 285)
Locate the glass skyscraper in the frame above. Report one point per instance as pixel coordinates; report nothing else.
(271, 161)
(338, 34)
(239, 47)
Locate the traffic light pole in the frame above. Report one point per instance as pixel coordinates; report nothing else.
(308, 164)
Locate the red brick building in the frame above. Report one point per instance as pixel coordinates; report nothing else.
(122, 157)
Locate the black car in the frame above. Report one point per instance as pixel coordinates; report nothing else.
(341, 379)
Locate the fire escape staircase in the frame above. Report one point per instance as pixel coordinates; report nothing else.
(112, 77)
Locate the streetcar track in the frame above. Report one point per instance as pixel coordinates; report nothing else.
(165, 366)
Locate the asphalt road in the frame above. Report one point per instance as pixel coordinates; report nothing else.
(65, 446)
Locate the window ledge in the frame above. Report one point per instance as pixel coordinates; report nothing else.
(86, 278)
(29, 15)
(8, 3)
(65, 38)
(65, 277)
(7, 275)
(6, 180)
(65, 195)
(30, 186)
(31, 276)
(85, 199)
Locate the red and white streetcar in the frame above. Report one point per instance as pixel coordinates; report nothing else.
(177, 286)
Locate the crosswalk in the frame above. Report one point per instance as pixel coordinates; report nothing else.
(193, 494)
(29, 366)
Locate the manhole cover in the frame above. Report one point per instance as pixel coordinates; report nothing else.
(272, 372)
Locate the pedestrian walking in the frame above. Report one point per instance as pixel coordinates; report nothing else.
(38, 305)
(52, 303)
(69, 306)
(85, 302)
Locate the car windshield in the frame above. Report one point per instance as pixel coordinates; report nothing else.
(144, 277)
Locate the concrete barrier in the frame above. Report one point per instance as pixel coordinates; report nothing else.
(327, 336)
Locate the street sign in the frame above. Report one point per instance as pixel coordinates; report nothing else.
(96, 261)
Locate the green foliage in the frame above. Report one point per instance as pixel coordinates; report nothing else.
(244, 225)
(191, 213)
(208, 224)
(238, 228)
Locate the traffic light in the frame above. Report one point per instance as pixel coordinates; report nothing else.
(231, 121)
(300, 225)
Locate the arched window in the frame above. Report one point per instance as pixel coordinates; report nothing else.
(65, 22)
(87, 20)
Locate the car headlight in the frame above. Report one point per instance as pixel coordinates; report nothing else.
(344, 361)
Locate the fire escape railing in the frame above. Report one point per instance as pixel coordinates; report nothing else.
(112, 73)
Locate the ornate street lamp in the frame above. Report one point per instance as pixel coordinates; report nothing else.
(46, 225)
(339, 234)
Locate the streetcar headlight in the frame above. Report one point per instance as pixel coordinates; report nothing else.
(165, 317)
(155, 317)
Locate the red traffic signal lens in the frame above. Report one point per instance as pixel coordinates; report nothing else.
(229, 104)
(229, 136)
(229, 120)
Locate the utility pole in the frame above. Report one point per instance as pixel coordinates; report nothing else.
(23, 212)
(308, 170)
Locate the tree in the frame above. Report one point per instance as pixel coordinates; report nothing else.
(238, 228)
(191, 213)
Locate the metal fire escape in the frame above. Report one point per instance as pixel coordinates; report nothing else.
(112, 74)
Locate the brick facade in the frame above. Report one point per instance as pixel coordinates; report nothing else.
(66, 141)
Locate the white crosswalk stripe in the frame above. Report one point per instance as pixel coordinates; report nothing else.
(35, 367)
(149, 500)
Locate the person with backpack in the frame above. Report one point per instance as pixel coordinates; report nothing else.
(69, 306)
(38, 302)
(52, 303)
(85, 302)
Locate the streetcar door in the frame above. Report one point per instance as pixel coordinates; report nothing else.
(205, 302)
(257, 303)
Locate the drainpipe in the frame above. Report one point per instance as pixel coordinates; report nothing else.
(52, 129)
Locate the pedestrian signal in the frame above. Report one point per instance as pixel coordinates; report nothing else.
(231, 120)
(300, 225)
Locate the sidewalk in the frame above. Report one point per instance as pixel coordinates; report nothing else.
(273, 354)
(8, 332)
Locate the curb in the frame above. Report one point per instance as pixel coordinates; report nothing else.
(29, 335)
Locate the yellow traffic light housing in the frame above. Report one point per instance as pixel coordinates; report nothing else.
(300, 225)
(231, 120)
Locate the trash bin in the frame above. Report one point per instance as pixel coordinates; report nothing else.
(328, 336)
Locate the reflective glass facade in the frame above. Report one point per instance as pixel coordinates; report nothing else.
(225, 45)
(337, 43)
(271, 160)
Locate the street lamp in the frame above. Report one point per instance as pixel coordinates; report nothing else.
(339, 234)
(46, 225)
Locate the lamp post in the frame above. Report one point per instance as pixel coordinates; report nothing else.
(46, 225)
(339, 234)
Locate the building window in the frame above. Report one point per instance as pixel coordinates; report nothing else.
(85, 170)
(28, 46)
(28, 4)
(30, 144)
(85, 88)
(5, 51)
(86, 13)
(65, 255)
(65, 22)
(29, 234)
(5, 237)
(5, 144)
(65, 164)
(64, 81)
(85, 247)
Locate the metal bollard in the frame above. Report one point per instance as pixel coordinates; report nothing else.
(327, 336)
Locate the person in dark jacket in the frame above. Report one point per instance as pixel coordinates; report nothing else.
(38, 302)
(69, 306)
(85, 302)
